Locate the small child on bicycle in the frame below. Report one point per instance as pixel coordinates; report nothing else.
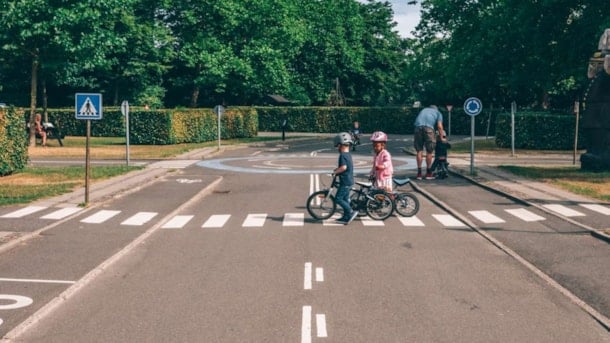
(355, 132)
(382, 170)
(345, 171)
(440, 166)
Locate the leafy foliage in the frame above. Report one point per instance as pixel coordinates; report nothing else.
(13, 149)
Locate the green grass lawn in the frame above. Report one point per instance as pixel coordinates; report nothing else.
(35, 183)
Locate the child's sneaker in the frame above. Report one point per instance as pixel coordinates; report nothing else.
(418, 176)
(354, 215)
(429, 176)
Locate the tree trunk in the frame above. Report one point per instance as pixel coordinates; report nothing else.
(45, 101)
(196, 89)
(33, 89)
(195, 96)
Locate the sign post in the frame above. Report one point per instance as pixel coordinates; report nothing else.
(472, 107)
(88, 106)
(577, 112)
(125, 111)
(513, 110)
(219, 110)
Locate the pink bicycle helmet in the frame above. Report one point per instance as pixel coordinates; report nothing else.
(379, 136)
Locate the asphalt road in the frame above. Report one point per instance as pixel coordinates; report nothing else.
(242, 261)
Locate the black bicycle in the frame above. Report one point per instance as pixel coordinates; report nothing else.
(405, 203)
(365, 199)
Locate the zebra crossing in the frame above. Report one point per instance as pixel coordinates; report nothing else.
(298, 219)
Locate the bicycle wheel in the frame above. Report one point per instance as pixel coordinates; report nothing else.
(379, 206)
(321, 206)
(406, 204)
(355, 201)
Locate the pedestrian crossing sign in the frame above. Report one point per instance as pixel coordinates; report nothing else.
(88, 106)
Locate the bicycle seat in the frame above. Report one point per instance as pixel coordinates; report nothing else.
(401, 182)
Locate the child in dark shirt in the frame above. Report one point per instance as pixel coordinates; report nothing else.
(345, 172)
(440, 166)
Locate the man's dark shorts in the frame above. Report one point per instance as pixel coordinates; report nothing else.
(424, 136)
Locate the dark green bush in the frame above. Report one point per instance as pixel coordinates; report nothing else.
(537, 130)
(160, 126)
(13, 141)
(393, 120)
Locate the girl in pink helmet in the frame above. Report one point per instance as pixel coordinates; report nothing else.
(382, 169)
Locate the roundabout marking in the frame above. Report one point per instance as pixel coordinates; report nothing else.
(284, 165)
(18, 301)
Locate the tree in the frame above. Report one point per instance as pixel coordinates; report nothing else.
(80, 32)
(507, 50)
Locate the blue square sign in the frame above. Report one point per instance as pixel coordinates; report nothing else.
(89, 106)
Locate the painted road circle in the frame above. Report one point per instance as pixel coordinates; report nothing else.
(297, 164)
(18, 301)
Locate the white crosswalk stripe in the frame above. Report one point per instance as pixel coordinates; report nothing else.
(368, 221)
(255, 220)
(139, 218)
(332, 221)
(294, 219)
(448, 220)
(563, 210)
(62, 213)
(177, 222)
(411, 221)
(487, 217)
(24, 212)
(597, 208)
(524, 214)
(100, 217)
(216, 221)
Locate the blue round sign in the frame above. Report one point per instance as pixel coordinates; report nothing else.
(473, 106)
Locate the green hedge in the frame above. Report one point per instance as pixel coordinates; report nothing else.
(13, 142)
(160, 126)
(393, 120)
(538, 130)
(461, 122)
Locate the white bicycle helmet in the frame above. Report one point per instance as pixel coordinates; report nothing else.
(379, 136)
(343, 138)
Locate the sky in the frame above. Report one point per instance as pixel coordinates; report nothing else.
(406, 16)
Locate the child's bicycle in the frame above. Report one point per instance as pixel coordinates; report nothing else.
(405, 203)
(376, 203)
(355, 138)
(440, 168)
